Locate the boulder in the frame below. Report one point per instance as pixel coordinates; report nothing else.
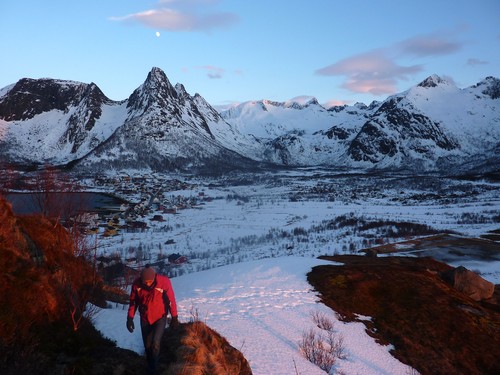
(196, 349)
(469, 283)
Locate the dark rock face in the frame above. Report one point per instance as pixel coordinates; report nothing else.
(397, 127)
(372, 144)
(492, 87)
(30, 97)
(338, 133)
(89, 109)
(431, 81)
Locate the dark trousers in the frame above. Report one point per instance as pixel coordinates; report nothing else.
(151, 336)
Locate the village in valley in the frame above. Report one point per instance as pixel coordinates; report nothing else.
(128, 204)
(147, 204)
(182, 224)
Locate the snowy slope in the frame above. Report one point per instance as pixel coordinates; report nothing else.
(293, 133)
(469, 115)
(268, 119)
(263, 308)
(55, 121)
(45, 138)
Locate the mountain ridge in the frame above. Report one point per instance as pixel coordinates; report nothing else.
(431, 126)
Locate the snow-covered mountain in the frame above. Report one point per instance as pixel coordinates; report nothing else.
(291, 133)
(432, 126)
(54, 121)
(166, 128)
(159, 126)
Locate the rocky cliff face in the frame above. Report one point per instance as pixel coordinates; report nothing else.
(399, 130)
(31, 97)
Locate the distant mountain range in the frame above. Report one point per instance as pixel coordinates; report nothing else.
(433, 126)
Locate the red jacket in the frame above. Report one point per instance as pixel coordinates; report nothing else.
(153, 302)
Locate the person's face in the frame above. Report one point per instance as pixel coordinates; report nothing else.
(148, 282)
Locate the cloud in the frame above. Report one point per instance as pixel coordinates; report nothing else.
(301, 99)
(378, 71)
(213, 72)
(176, 16)
(334, 103)
(372, 72)
(474, 62)
(428, 45)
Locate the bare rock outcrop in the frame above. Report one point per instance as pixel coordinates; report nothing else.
(196, 349)
(469, 283)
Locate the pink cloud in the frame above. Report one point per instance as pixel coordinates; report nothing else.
(372, 72)
(372, 86)
(333, 102)
(377, 72)
(181, 16)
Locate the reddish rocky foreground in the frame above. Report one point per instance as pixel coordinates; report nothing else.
(434, 328)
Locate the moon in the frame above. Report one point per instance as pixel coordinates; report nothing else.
(157, 34)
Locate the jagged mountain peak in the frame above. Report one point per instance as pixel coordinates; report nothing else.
(157, 80)
(157, 74)
(432, 81)
(94, 93)
(156, 91)
(360, 105)
(181, 91)
(301, 102)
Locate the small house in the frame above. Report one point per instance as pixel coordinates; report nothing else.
(177, 259)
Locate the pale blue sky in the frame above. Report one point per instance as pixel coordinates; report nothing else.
(239, 50)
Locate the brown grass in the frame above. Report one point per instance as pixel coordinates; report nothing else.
(40, 278)
(434, 328)
(196, 349)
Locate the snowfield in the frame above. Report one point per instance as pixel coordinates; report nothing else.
(262, 307)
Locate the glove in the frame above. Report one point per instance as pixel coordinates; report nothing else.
(130, 325)
(174, 323)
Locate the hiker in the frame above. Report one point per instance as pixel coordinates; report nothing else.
(153, 295)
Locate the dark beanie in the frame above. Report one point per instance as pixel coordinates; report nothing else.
(148, 273)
